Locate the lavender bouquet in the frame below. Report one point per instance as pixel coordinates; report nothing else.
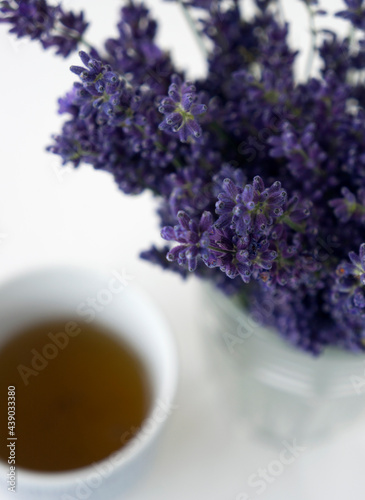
(260, 179)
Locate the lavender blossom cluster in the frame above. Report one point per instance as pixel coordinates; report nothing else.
(260, 179)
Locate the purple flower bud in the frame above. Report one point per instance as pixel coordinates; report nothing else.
(180, 109)
(168, 233)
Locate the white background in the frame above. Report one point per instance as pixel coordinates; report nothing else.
(53, 216)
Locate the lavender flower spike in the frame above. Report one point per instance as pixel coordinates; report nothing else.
(269, 202)
(348, 297)
(181, 109)
(194, 239)
(49, 24)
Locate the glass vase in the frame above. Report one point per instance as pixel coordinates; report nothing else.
(280, 390)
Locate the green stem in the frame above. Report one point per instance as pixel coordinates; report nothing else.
(76, 36)
(86, 43)
(351, 35)
(220, 250)
(193, 28)
(313, 33)
(293, 225)
(281, 11)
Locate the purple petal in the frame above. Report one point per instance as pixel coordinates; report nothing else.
(186, 101)
(194, 128)
(258, 184)
(198, 109)
(168, 233)
(183, 219)
(174, 92)
(183, 133)
(362, 255)
(355, 259)
(230, 188)
(175, 252)
(173, 119)
(206, 221)
(85, 58)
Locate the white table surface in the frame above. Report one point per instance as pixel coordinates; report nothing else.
(51, 216)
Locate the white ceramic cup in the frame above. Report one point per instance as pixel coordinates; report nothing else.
(115, 303)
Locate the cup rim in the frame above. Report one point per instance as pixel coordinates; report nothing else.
(165, 393)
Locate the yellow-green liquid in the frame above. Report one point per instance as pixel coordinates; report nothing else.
(79, 404)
